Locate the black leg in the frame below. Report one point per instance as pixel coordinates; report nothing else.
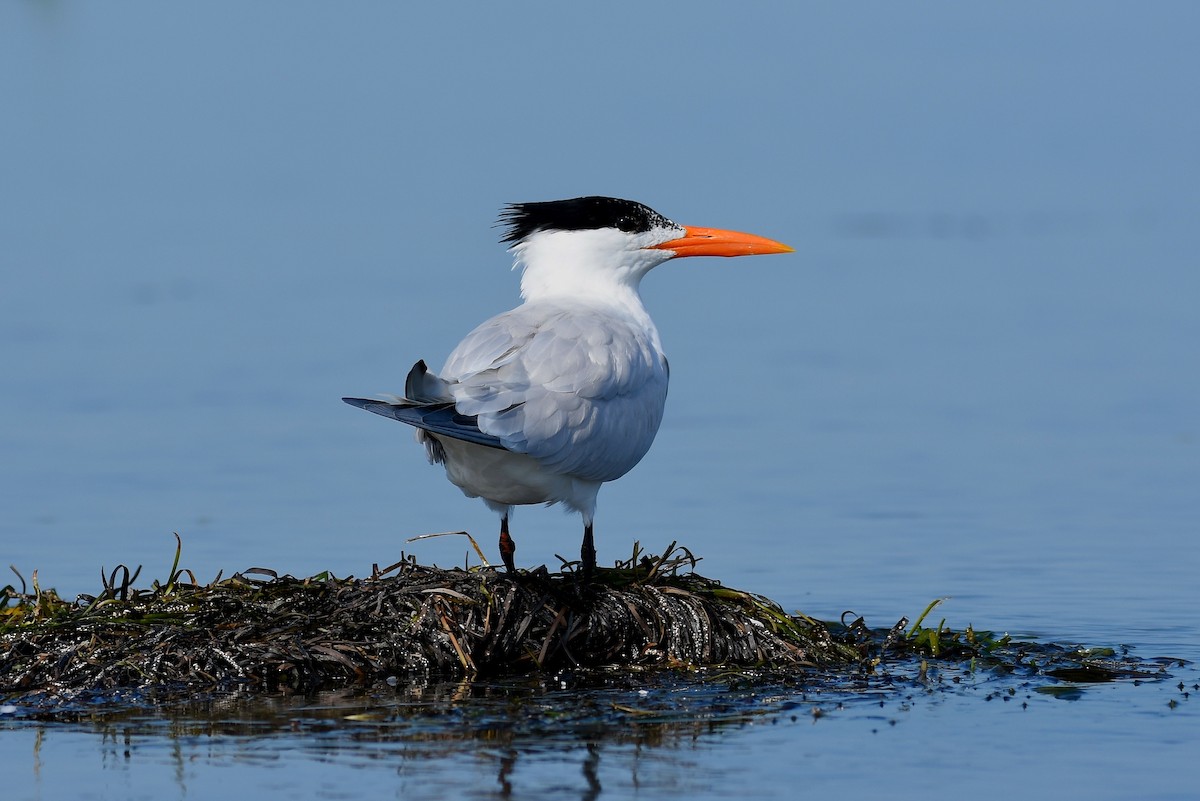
(507, 546)
(588, 553)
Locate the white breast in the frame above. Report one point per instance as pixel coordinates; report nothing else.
(504, 478)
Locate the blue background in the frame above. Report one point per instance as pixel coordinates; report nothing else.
(980, 366)
(976, 378)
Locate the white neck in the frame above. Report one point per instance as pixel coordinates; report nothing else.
(600, 265)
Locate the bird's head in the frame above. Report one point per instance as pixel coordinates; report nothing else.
(588, 244)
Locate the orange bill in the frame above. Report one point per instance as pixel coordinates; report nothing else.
(716, 242)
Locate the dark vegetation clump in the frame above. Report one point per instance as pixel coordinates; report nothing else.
(267, 632)
(261, 632)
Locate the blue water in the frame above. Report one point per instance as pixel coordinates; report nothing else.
(915, 739)
(976, 378)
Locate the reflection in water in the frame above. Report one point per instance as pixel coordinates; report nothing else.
(38, 739)
(633, 729)
(567, 735)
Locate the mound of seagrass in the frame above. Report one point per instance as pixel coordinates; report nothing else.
(268, 632)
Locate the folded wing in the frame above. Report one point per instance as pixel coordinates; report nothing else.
(436, 418)
(576, 388)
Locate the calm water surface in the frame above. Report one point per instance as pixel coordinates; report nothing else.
(665, 737)
(976, 379)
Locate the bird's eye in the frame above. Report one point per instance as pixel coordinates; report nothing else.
(627, 224)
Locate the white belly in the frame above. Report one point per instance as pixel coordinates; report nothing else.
(509, 479)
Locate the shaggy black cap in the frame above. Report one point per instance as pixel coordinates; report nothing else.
(578, 214)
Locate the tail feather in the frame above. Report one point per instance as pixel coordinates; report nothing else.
(422, 386)
(436, 418)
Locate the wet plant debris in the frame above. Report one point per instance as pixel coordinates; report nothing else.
(262, 632)
(267, 631)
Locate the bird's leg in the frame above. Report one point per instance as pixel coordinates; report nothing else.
(507, 546)
(588, 553)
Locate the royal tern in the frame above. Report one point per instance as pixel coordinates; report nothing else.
(546, 402)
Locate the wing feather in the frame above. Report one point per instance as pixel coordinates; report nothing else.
(578, 388)
(439, 418)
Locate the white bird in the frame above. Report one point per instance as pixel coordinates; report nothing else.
(546, 402)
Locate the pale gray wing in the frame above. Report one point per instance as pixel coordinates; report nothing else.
(481, 373)
(578, 389)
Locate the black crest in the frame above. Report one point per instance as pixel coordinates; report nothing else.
(578, 214)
